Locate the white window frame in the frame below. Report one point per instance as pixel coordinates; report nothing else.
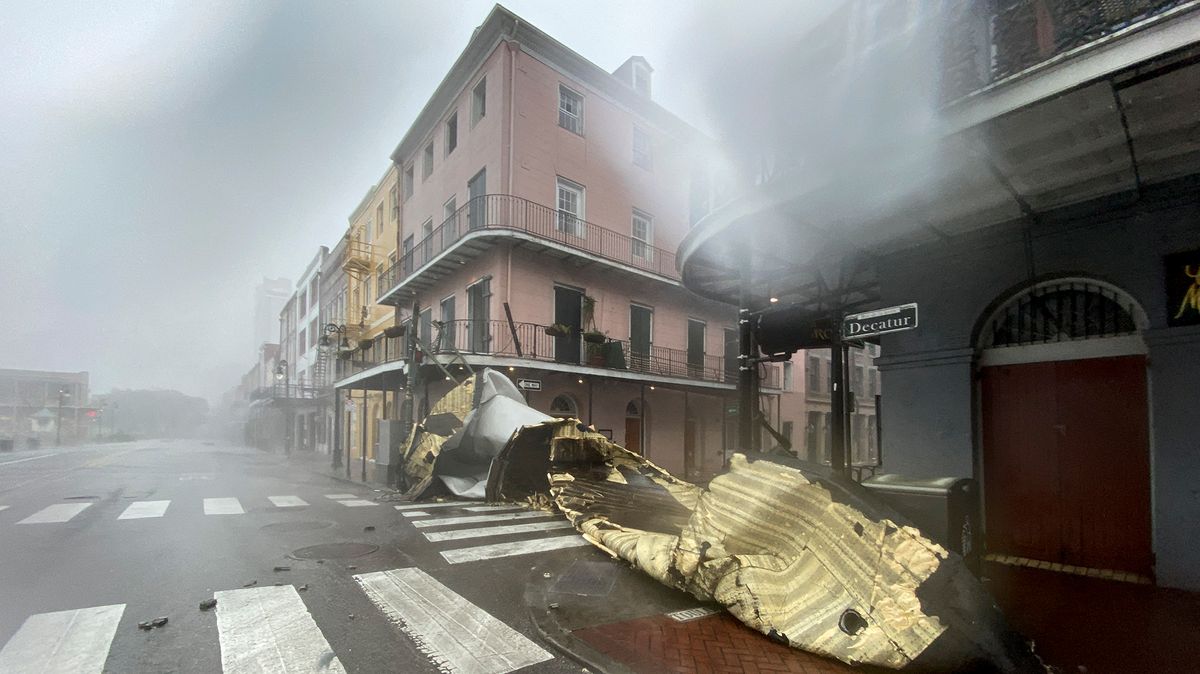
(641, 72)
(410, 180)
(427, 162)
(564, 220)
(567, 93)
(646, 242)
(478, 101)
(452, 118)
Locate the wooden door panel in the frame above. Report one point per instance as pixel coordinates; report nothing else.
(633, 435)
(1020, 464)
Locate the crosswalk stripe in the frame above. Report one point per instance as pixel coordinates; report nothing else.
(423, 506)
(482, 552)
(338, 497)
(2, 507)
(59, 512)
(457, 635)
(415, 513)
(142, 509)
(269, 629)
(287, 501)
(357, 502)
(491, 508)
(74, 642)
(222, 506)
(473, 519)
(480, 532)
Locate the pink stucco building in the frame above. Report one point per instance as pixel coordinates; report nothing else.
(541, 199)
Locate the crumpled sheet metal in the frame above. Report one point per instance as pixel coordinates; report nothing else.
(426, 439)
(806, 563)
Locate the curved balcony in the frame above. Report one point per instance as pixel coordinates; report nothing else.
(475, 226)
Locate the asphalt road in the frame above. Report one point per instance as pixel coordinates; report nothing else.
(94, 540)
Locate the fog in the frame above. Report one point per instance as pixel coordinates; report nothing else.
(160, 159)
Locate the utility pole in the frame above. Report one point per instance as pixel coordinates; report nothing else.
(62, 393)
(408, 408)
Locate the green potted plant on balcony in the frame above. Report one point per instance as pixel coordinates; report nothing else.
(365, 344)
(393, 331)
(591, 334)
(558, 330)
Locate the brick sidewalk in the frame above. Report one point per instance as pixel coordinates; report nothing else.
(717, 643)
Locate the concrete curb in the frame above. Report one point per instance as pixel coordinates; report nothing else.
(548, 627)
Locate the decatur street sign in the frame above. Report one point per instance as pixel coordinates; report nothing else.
(880, 321)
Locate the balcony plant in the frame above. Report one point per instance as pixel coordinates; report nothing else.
(558, 330)
(591, 334)
(365, 344)
(393, 331)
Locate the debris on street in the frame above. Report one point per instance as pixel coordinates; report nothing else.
(208, 604)
(251, 583)
(283, 568)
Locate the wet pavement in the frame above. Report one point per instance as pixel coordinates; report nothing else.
(127, 533)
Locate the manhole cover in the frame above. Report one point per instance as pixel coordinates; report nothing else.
(297, 526)
(335, 551)
(589, 579)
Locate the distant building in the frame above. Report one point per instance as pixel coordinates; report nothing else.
(35, 403)
(269, 298)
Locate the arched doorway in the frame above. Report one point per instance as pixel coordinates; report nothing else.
(564, 407)
(1065, 427)
(633, 426)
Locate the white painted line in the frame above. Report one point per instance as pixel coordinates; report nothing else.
(435, 504)
(456, 635)
(74, 642)
(481, 532)
(3, 507)
(59, 512)
(338, 497)
(287, 501)
(269, 629)
(141, 509)
(357, 503)
(415, 513)
(474, 519)
(29, 458)
(483, 552)
(491, 508)
(222, 506)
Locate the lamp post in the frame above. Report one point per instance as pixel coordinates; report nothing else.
(327, 341)
(282, 374)
(62, 394)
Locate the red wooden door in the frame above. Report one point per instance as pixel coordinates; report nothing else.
(1066, 462)
(633, 434)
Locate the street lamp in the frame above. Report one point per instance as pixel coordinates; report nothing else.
(62, 394)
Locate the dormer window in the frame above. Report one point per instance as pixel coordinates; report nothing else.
(641, 78)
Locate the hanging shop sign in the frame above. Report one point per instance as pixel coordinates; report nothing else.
(1183, 288)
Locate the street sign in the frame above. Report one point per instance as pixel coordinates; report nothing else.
(529, 384)
(880, 321)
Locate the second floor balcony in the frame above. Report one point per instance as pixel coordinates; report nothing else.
(497, 343)
(476, 226)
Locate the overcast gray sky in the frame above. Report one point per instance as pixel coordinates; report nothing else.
(159, 158)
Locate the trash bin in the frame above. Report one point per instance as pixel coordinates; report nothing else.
(946, 509)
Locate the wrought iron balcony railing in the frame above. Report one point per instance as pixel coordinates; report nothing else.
(505, 212)
(530, 341)
(988, 40)
(288, 391)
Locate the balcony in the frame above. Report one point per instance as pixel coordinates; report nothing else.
(986, 41)
(472, 229)
(282, 391)
(529, 342)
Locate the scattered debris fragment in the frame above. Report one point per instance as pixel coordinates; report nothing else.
(251, 583)
(283, 568)
(369, 528)
(320, 561)
(278, 584)
(546, 574)
(351, 616)
(352, 567)
(554, 605)
(302, 588)
(148, 625)
(208, 604)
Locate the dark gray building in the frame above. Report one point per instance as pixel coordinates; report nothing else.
(1048, 227)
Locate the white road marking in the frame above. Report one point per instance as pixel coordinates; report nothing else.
(287, 501)
(483, 552)
(436, 504)
(473, 519)
(222, 506)
(357, 502)
(71, 642)
(415, 513)
(29, 458)
(456, 635)
(59, 512)
(269, 629)
(140, 509)
(480, 532)
(338, 497)
(490, 508)
(3, 507)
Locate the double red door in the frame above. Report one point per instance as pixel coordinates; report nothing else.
(1066, 462)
